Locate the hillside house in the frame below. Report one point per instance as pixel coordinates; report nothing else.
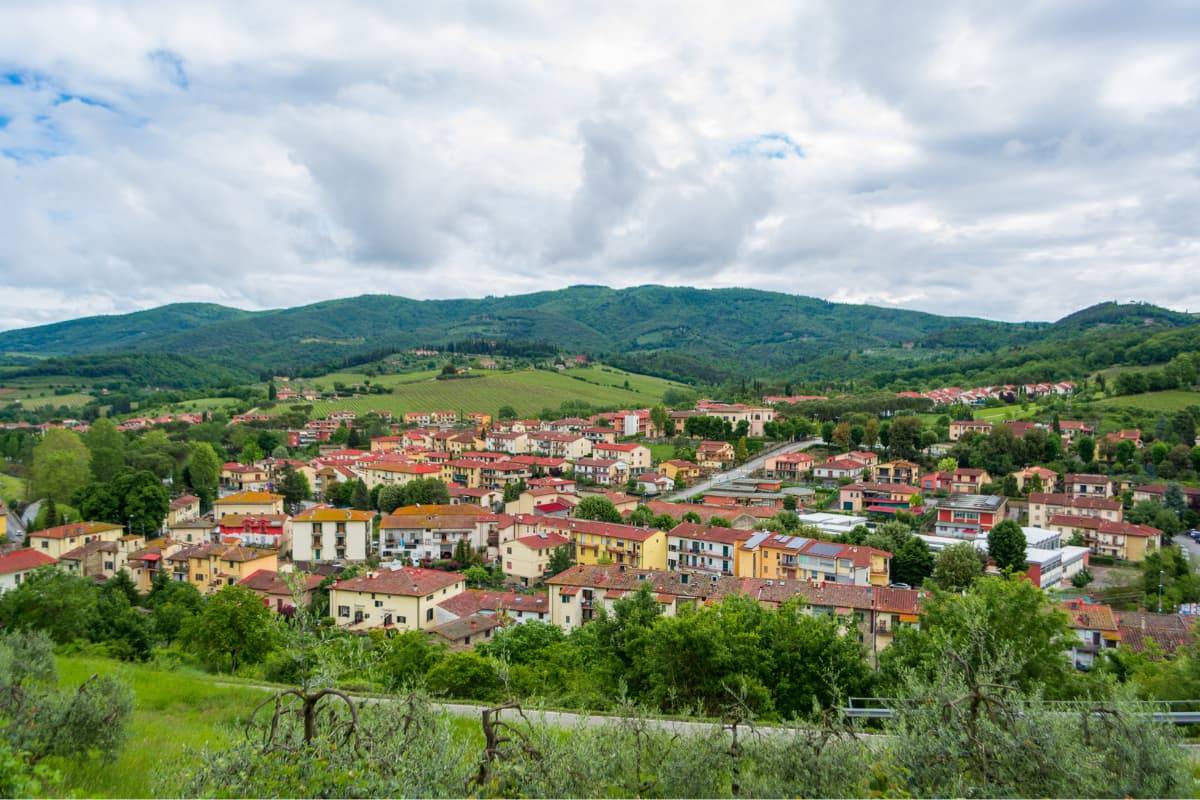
(404, 598)
(16, 565)
(324, 534)
(969, 516)
(963, 427)
(527, 558)
(54, 542)
(243, 503)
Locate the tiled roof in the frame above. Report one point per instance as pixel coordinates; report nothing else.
(269, 581)
(609, 529)
(1104, 526)
(327, 514)
(75, 529)
(248, 498)
(407, 581)
(543, 541)
(183, 501)
(472, 601)
(22, 560)
(1090, 616)
(704, 533)
(1168, 631)
(1066, 501)
(459, 629)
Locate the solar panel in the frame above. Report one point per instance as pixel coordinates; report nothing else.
(825, 549)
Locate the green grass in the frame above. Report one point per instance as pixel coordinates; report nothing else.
(1005, 413)
(1169, 400)
(174, 712)
(11, 488)
(37, 397)
(528, 391)
(661, 452)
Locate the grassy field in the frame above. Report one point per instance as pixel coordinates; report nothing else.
(528, 391)
(174, 712)
(38, 397)
(1170, 400)
(11, 488)
(1005, 413)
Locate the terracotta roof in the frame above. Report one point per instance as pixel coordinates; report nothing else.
(248, 498)
(609, 529)
(75, 529)
(269, 581)
(889, 488)
(328, 514)
(22, 560)
(704, 533)
(82, 551)
(473, 601)
(1104, 526)
(407, 581)
(1066, 501)
(543, 541)
(1168, 631)
(459, 629)
(1090, 616)
(184, 500)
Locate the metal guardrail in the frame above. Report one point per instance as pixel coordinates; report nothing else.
(1171, 717)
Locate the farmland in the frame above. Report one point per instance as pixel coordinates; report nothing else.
(527, 391)
(1165, 401)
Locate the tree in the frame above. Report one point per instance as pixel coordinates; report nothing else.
(841, 435)
(293, 485)
(1006, 546)
(61, 465)
(62, 606)
(560, 560)
(904, 437)
(233, 630)
(408, 656)
(144, 501)
(913, 562)
(871, 432)
(425, 492)
(107, 447)
(957, 567)
(467, 675)
(1081, 579)
(280, 452)
(1174, 500)
(272, 393)
(506, 412)
(597, 508)
(251, 453)
(660, 418)
(947, 464)
(98, 502)
(512, 491)
(1085, 448)
(360, 498)
(204, 471)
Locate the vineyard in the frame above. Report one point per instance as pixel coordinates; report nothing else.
(527, 391)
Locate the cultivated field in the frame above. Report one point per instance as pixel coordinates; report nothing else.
(1169, 400)
(527, 391)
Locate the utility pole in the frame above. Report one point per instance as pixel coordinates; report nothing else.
(1160, 589)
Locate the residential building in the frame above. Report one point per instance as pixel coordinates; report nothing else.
(16, 565)
(404, 598)
(1158, 493)
(56, 541)
(702, 548)
(899, 471)
(1095, 625)
(243, 477)
(1167, 632)
(652, 483)
(680, 471)
(969, 516)
(644, 548)
(323, 533)
(430, 533)
(3, 519)
(839, 469)
(244, 503)
(277, 593)
(755, 417)
(194, 531)
(1047, 478)
(963, 427)
(602, 471)
(556, 444)
(527, 558)
(778, 556)
(788, 466)
(1071, 429)
(508, 442)
(395, 473)
(211, 567)
(714, 456)
(1079, 485)
(254, 530)
(1044, 505)
(885, 498)
(968, 480)
(636, 456)
(513, 607)
(146, 563)
(466, 632)
(1122, 540)
(182, 508)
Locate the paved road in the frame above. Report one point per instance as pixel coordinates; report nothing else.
(742, 471)
(1191, 548)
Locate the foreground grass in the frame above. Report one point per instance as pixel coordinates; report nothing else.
(176, 714)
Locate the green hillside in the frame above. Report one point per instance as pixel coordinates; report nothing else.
(117, 331)
(527, 391)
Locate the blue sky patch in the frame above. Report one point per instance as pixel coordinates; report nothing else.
(773, 145)
(171, 66)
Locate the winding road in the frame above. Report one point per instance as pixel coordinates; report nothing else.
(741, 471)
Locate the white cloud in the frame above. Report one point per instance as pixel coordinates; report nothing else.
(1012, 163)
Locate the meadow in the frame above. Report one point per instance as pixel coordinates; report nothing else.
(11, 488)
(527, 391)
(1165, 401)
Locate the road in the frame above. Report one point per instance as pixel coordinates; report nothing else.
(1189, 547)
(16, 530)
(741, 471)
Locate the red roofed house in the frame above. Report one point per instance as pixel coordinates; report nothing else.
(839, 469)
(1122, 540)
(967, 480)
(789, 466)
(637, 456)
(405, 598)
(699, 547)
(1096, 626)
(15, 565)
(961, 427)
(527, 558)
(277, 595)
(649, 483)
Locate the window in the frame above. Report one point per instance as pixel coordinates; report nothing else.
(510, 551)
(45, 544)
(379, 604)
(429, 615)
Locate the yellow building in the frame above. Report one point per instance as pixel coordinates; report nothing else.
(396, 473)
(210, 567)
(3, 519)
(528, 558)
(183, 508)
(405, 599)
(679, 470)
(779, 557)
(248, 504)
(606, 542)
(56, 541)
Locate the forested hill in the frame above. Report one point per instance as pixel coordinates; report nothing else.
(695, 334)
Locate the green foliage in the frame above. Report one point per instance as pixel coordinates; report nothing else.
(957, 567)
(1006, 546)
(466, 675)
(233, 629)
(560, 560)
(61, 465)
(293, 485)
(204, 471)
(62, 606)
(107, 447)
(407, 657)
(597, 508)
(912, 562)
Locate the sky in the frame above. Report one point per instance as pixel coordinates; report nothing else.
(1009, 160)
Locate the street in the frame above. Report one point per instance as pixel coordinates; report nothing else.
(1191, 548)
(740, 471)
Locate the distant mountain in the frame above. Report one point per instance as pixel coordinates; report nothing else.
(708, 335)
(116, 331)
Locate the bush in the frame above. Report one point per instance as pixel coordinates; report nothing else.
(466, 675)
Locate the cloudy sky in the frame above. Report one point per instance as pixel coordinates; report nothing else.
(1009, 160)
